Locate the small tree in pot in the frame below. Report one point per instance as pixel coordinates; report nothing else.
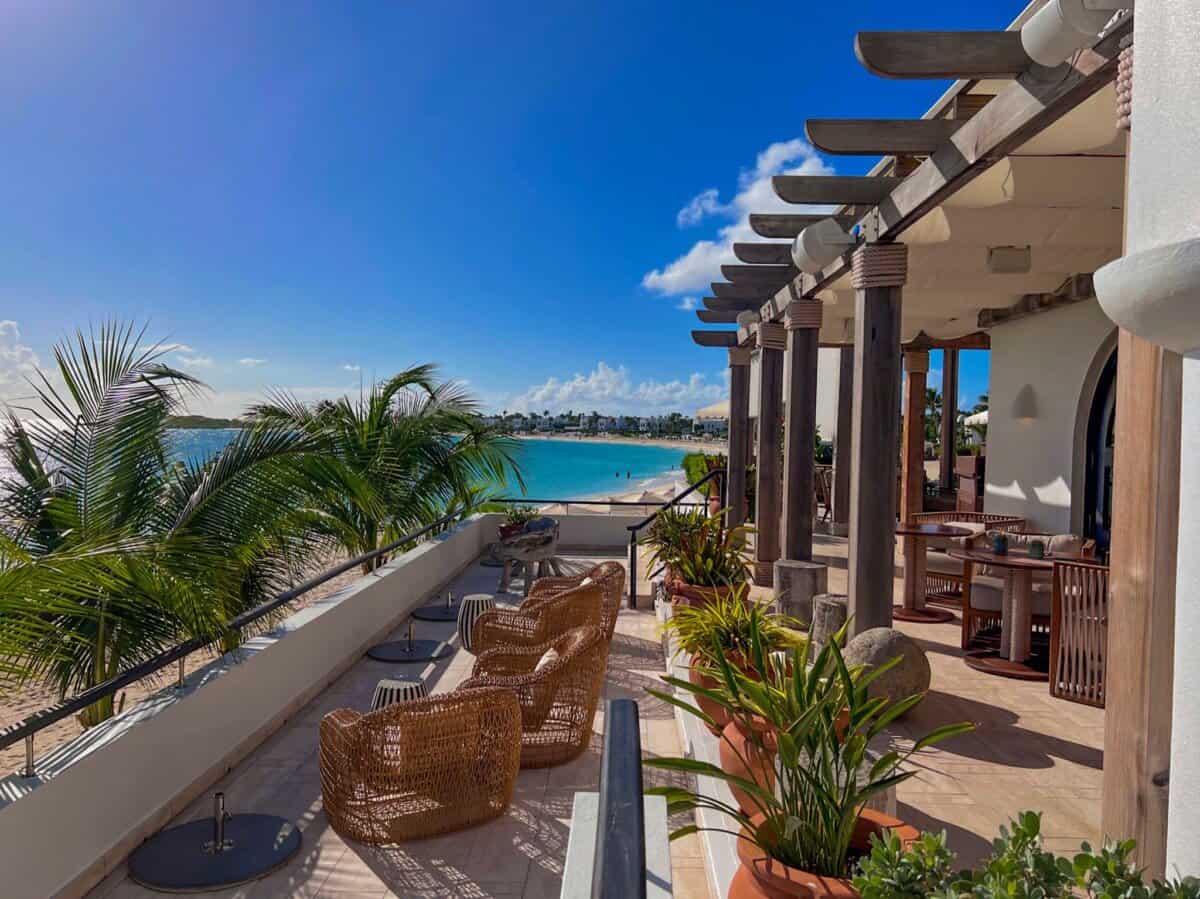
(801, 834)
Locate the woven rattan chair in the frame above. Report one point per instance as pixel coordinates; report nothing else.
(420, 768)
(539, 619)
(558, 700)
(611, 578)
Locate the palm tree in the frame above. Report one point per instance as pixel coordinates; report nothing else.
(406, 453)
(109, 552)
(933, 416)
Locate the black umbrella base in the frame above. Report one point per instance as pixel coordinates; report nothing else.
(438, 611)
(180, 859)
(399, 652)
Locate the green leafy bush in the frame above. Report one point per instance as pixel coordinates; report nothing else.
(730, 622)
(1017, 867)
(699, 549)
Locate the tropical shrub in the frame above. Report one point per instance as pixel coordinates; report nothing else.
(110, 553)
(729, 623)
(522, 515)
(405, 453)
(699, 549)
(1018, 866)
(821, 720)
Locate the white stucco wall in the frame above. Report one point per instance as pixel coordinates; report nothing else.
(1031, 464)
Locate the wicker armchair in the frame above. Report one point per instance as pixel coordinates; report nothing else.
(944, 575)
(558, 701)
(538, 620)
(420, 768)
(611, 578)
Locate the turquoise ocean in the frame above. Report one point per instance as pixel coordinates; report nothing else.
(553, 469)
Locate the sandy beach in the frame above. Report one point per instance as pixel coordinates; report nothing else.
(690, 446)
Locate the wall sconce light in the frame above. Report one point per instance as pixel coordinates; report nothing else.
(1024, 407)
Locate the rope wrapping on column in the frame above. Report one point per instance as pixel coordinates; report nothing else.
(772, 336)
(1125, 89)
(880, 265)
(803, 314)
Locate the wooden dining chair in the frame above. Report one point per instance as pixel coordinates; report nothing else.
(1079, 632)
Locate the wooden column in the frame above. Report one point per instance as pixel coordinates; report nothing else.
(912, 488)
(840, 525)
(772, 340)
(1141, 605)
(879, 274)
(739, 435)
(803, 322)
(949, 417)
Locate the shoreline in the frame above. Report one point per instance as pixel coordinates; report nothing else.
(698, 446)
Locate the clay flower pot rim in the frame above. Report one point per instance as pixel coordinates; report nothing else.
(787, 881)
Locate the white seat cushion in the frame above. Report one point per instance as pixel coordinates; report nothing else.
(940, 563)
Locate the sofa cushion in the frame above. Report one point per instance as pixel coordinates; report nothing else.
(940, 563)
(987, 595)
(975, 527)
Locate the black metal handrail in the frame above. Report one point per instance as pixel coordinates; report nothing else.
(26, 728)
(619, 866)
(577, 502)
(634, 528)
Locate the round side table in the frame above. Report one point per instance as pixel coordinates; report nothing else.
(392, 689)
(473, 605)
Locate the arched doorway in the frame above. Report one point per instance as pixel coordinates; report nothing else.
(1097, 499)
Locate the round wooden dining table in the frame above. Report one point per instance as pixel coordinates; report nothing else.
(915, 534)
(1016, 612)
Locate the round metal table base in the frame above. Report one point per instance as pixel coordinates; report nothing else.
(399, 652)
(991, 662)
(176, 861)
(438, 611)
(922, 616)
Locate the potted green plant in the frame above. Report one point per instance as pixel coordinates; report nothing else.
(1018, 866)
(725, 628)
(798, 838)
(703, 557)
(515, 519)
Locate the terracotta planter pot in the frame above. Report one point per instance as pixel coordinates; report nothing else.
(741, 756)
(714, 711)
(507, 530)
(683, 593)
(761, 877)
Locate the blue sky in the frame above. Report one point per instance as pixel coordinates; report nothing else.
(305, 194)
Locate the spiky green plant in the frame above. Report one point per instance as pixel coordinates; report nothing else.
(405, 453)
(730, 621)
(111, 553)
(699, 548)
(822, 719)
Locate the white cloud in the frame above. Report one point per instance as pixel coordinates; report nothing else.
(612, 391)
(18, 364)
(704, 204)
(165, 348)
(702, 263)
(250, 362)
(687, 304)
(351, 367)
(194, 361)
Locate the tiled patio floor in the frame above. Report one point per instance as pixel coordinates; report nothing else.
(518, 855)
(1030, 752)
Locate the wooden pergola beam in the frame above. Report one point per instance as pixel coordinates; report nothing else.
(771, 275)
(789, 225)
(722, 304)
(711, 317)
(980, 340)
(1077, 289)
(887, 137)
(942, 54)
(715, 338)
(757, 292)
(1014, 116)
(763, 253)
(836, 190)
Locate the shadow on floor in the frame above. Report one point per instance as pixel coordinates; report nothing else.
(967, 845)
